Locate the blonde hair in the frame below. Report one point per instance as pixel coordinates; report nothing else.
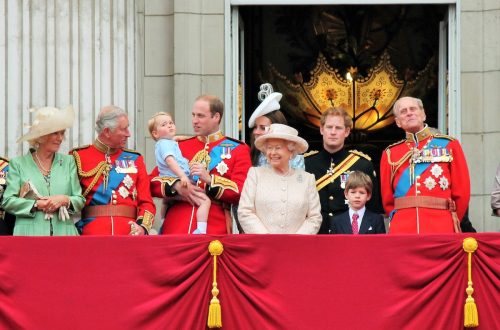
(336, 112)
(358, 179)
(152, 122)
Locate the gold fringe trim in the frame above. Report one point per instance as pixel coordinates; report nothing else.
(214, 311)
(471, 319)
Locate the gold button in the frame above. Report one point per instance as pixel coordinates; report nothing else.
(114, 202)
(330, 198)
(330, 214)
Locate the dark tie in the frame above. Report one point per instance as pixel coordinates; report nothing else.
(355, 228)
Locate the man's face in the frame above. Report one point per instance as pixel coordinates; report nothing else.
(117, 138)
(204, 123)
(334, 133)
(409, 116)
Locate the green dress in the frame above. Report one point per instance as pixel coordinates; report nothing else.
(63, 180)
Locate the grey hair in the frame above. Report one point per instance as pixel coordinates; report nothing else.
(291, 146)
(108, 118)
(395, 108)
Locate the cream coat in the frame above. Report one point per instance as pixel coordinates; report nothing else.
(275, 204)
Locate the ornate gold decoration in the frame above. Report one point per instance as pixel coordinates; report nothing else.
(471, 319)
(367, 99)
(214, 311)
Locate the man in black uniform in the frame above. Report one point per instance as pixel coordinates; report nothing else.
(331, 166)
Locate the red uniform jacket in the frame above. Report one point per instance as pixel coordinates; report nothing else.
(229, 161)
(439, 171)
(119, 179)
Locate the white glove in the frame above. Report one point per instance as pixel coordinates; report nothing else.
(63, 213)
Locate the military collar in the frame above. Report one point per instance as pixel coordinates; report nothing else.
(211, 138)
(103, 147)
(419, 136)
(337, 154)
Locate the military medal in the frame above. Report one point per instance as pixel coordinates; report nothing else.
(127, 181)
(2, 178)
(222, 168)
(430, 183)
(343, 179)
(436, 170)
(125, 166)
(443, 183)
(123, 192)
(330, 170)
(226, 151)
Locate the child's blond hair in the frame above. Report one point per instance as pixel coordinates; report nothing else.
(152, 122)
(358, 179)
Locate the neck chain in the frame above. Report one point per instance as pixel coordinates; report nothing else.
(45, 172)
(285, 174)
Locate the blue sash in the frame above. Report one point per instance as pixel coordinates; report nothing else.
(219, 150)
(103, 196)
(223, 148)
(403, 185)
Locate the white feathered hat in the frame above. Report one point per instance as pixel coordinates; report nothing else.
(270, 101)
(49, 120)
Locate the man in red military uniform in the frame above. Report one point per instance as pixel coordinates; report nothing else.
(424, 178)
(114, 181)
(220, 165)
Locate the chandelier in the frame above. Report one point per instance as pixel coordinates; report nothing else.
(367, 99)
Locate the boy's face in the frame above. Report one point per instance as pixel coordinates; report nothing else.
(357, 197)
(165, 128)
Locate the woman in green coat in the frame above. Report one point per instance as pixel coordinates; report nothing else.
(42, 186)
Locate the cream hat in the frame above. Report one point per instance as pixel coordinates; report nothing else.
(270, 101)
(49, 120)
(283, 132)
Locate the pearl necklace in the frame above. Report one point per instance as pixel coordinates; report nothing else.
(45, 172)
(285, 174)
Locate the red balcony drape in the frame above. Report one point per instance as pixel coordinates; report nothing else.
(265, 282)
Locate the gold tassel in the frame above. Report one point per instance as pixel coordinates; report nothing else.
(214, 311)
(471, 319)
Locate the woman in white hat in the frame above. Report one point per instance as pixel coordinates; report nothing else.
(267, 113)
(43, 186)
(278, 199)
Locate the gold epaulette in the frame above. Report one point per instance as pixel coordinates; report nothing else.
(79, 148)
(310, 153)
(395, 144)
(132, 151)
(444, 136)
(361, 154)
(235, 140)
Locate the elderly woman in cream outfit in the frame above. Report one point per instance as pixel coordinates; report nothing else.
(278, 199)
(42, 186)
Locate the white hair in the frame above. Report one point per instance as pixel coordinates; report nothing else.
(395, 108)
(108, 117)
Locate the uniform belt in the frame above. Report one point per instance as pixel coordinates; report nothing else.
(109, 211)
(423, 201)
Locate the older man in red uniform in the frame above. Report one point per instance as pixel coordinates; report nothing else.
(220, 164)
(424, 178)
(114, 181)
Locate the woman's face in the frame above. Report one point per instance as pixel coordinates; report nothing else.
(261, 127)
(277, 153)
(51, 142)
